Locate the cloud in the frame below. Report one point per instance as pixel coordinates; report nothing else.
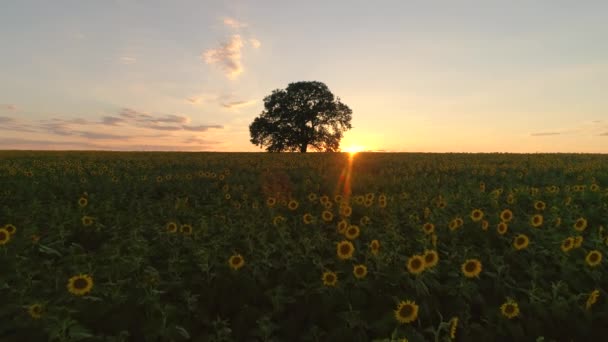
(201, 128)
(237, 104)
(101, 136)
(540, 134)
(255, 43)
(233, 23)
(128, 60)
(10, 107)
(227, 56)
(5, 120)
(605, 134)
(112, 120)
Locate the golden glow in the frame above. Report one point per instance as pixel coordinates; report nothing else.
(353, 149)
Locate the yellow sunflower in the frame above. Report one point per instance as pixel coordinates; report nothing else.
(324, 199)
(352, 232)
(360, 271)
(539, 205)
(307, 218)
(312, 197)
(277, 220)
(580, 224)
(374, 245)
(536, 220)
(453, 225)
(329, 278)
(476, 215)
(5, 236)
(365, 220)
(578, 241)
(271, 201)
(428, 228)
(471, 268)
(593, 258)
(521, 241)
(171, 227)
(186, 229)
(342, 225)
(80, 285)
(406, 312)
(506, 215)
(293, 205)
(415, 264)
(35, 311)
(87, 221)
(502, 228)
(327, 216)
(509, 309)
(485, 225)
(453, 327)
(431, 258)
(592, 298)
(346, 211)
(345, 250)
(236, 261)
(11, 229)
(567, 244)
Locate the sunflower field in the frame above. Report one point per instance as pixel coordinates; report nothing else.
(108, 246)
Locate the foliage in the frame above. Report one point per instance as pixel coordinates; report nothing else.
(156, 279)
(304, 114)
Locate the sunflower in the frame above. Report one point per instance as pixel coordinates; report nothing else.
(536, 220)
(312, 197)
(345, 249)
(415, 264)
(567, 244)
(374, 245)
(476, 215)
(324, 199)
(453, 327)
(227, 196)
(271, 201)
(11, 229)
(87, 221)
(485, 225)
(509, 309)
(506, 215)
(328, 205)
(407, 311)
(360, 271)
(277, 220)
(342, 225)
(346, 211)
(307, 218)
(35, 311)
(186, 229)
(459, 221)
(171, 227)
(471, 268)
(365, 220)
(82, 202)
(593, 258)
(521, 241)
(431, 258)
(453, 225)
(338, 198)
(80, 285)
(327, 216)
(368, 203)
(594, 187)
(293, 205)
(592, 299)
(428, 228)
(539, 205)
(236, 261)
(5, 236)
(352, 232)
(578, 241)
(502, 228)
(580, 224)
(329, 278)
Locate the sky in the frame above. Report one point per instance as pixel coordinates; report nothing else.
(419, 76)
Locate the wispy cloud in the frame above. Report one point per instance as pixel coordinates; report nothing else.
(605, 134)
(112, 120)
(255, 43)
(227, 56)
(201, 128)
(233, 23)
(540, 134)
(10, 107)
(128, 60)
(237, 104)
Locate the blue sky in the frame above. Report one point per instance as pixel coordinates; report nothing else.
(435, 76)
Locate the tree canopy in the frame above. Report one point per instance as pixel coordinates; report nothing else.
(302, 115)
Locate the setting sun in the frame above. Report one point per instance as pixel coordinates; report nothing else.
(353, 149)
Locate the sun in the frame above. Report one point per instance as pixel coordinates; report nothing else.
(353, 149)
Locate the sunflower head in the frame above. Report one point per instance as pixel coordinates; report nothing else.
(271, 201)
(539, 205)
(431, 258)
(360, 271)
(471, 268)
(5, 236)
(87, 221)
(485, 225)
(307, 218)
(592, 298)
(406, 312)
(312, 197)
(506, 215)
(327, 216)
(509, 309)
(236, 261)
(352, 232)
(578, 241)
(536, 220)
(502, 228)
(346, 211)
(329, 278)
(342, 225)
(345, 250)
(80, 285)
(521, 241)
(415, 264)
(374, 246)
(580, 224)
(567, 244)
(10, 228)
(186, 229)
(365, 220)
(428, 228)
(593, 258)
(476, 215)
(293, 204)
(35, 311)
(171, 227)
(453, 327)
(82, 202)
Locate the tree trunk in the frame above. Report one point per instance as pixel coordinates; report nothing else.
(303, 147)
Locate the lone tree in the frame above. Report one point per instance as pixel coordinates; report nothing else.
(305, 114)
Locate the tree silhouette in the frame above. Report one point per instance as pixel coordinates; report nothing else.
(302, 115)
